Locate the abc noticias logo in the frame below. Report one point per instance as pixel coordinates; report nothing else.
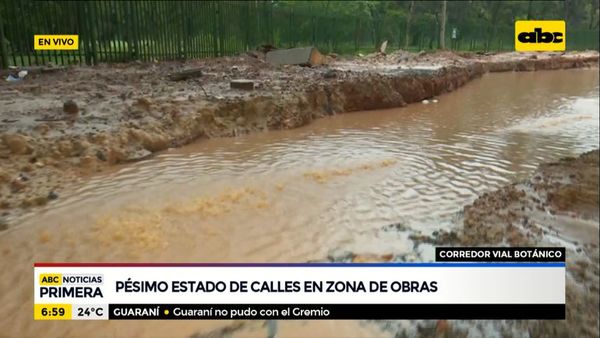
(540, 35)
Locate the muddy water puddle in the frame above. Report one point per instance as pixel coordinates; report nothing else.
(324, 190)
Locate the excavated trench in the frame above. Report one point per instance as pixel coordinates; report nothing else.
(129, 116)
(369, 186)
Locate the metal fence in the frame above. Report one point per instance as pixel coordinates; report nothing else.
(118, 31)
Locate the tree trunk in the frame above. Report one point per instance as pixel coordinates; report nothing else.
(491, 33)
(443, 26)
(375, 27)
(595, 6)
(529, 9)
(411, 7)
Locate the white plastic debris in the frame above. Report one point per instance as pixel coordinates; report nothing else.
(434, 101)
(20, 76)
(425, 102)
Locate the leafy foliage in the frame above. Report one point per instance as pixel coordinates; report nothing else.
(120, 30)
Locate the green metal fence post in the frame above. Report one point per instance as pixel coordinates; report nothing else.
(271, 29)
(180, 31)
(246, 25)
(134, 31)
(83, 34)
(129, 31)
(93, 32)
(215, 34)
(3, 49)
(219, 18)
(121, 30)
(356, 25)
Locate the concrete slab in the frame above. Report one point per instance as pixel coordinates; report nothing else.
(304, 56)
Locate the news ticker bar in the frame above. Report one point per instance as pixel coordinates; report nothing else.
(393, 290)
(500, 254)
(297, 311)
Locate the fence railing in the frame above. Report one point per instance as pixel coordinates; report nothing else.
(119, 31)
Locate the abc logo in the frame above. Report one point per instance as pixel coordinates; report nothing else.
(537, 36)
(540, 35)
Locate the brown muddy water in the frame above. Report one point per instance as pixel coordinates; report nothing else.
(305, 194)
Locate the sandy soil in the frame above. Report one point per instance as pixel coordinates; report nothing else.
(58, 125)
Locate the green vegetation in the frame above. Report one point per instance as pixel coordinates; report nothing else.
(117, 31)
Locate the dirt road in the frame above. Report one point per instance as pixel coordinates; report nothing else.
(60, 125)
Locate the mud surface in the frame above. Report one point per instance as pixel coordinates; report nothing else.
(376, 185)
(543, 210)
(58, 125)
(556, 206)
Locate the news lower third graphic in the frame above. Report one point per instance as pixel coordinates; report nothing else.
(489, 286)
(56, 42)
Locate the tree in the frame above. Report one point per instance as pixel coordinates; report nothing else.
(594, 14)
(411, 7)
(529, 10)
(443, 26)
(378, 14)
(492, 23)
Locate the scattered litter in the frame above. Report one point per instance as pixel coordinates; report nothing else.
(425, 102)
(383, 47)
(20, 76)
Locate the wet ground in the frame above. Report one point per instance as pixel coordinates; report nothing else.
(59, 124)
(364, 186)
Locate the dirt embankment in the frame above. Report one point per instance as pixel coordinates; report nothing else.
(556, 206)
(57, 126)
